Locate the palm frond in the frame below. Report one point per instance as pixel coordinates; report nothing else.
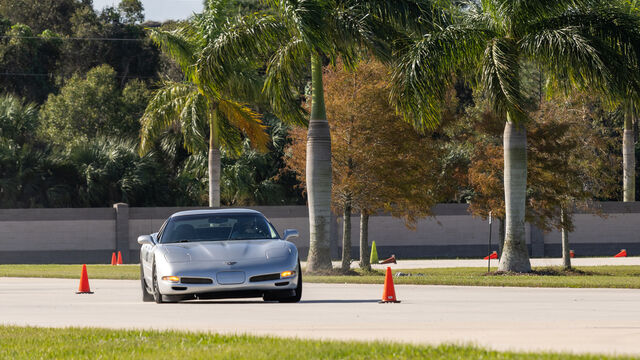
(414, 15)
(425, 69)
(569, 57)
(242, 117)
(248, 39)
(514, 15)
(181, 48)
(501, 78)
(286, 65)
(177, 105)
(307, 18)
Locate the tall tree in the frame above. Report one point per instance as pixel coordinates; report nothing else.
(379, 162)
(590, 44)
(92, 106)
(630, 105)
(200, 106)
(292, 36)
(570, 163)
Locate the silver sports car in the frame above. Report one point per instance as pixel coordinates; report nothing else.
(212, 254)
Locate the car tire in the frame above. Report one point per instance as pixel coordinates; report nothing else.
(146, 296)
(295, 298)
(157, 296)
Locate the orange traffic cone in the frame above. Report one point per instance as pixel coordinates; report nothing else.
(622, 253)
(113, 259)
(119, 258)
(84, 282)
(572, 254)
(389, 293)
(493, 255)
(390, 260)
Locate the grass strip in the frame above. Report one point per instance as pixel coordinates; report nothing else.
(91, 343)
(584, 277)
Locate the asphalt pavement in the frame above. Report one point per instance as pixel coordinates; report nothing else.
(573, 320)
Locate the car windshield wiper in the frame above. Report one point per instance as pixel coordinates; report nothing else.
(183, 241)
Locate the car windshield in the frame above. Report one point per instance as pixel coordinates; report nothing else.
(218, 227)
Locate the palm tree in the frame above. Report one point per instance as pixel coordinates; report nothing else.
(630, 112)
(291, 36)
(196, 107)
(586, 44)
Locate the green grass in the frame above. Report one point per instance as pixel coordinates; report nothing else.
(120, 272)
(75, 343)
(584, 277)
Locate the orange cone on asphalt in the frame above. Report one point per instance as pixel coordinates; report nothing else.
(119, 258)
(572, 254)
(113, 259)
(493, 255)
(389, 293)
(622, 253)
(390, 260)
(84, 288)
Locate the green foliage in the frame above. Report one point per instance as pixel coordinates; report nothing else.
(24, 53)
(578, 44)
(250, 178)
(131, 11)
(93, 106)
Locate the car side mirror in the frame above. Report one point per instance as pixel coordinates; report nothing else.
(290, 233)
(145, 239)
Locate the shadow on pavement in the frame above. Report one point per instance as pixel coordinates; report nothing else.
(337, 301)
(326, 301)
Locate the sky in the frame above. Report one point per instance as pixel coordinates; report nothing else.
(160, 10)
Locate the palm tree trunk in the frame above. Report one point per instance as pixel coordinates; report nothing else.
(628, 161)
(318, 175)
(214, 164)
(364, 241)
(346, 235)
(515, 256)
(566, 255)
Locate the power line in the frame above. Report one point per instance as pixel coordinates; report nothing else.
(67, 38)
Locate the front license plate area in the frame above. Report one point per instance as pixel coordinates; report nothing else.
(230, 277)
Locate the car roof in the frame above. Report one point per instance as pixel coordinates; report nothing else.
(216, 211)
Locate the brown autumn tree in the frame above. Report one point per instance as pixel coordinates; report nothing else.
(570, 164)
(379, 161)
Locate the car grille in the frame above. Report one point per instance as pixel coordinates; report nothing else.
(192, 280)
(266, 277)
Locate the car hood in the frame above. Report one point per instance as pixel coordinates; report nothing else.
(232, 250)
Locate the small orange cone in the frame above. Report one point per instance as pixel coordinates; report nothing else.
(390, 260)
(389, 293)
(622, 253)
(113, 259)
(572, 254)
(493, 255)
(84, 282)
(119, 258)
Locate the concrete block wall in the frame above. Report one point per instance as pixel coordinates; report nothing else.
(36, 236)
(91, 235)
